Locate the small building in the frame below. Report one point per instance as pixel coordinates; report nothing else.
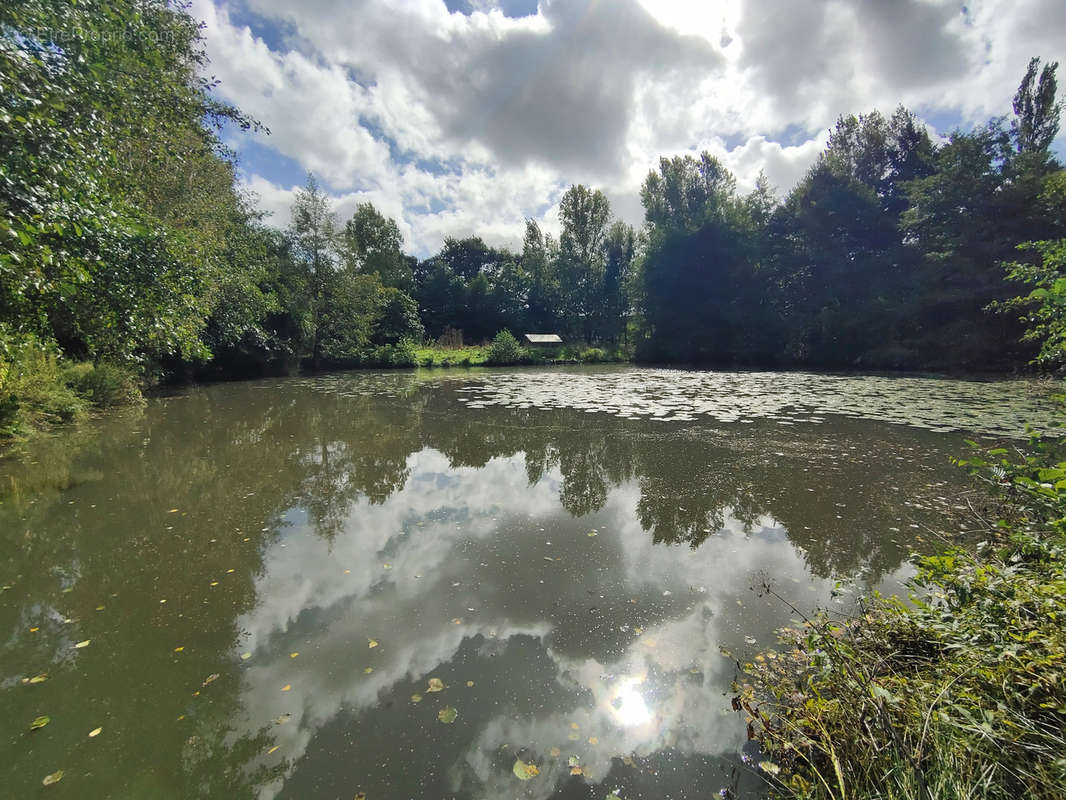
(542, 340)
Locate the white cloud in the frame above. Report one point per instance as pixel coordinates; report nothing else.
(456, 124)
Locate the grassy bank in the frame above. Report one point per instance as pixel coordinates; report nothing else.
(40, 389)
(960, 694)
(505, 350)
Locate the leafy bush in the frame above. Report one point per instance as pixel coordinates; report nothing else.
(34, 394)
(505, 350)
(102, 385)
(401, 354)
(962, 693)
(592, 355)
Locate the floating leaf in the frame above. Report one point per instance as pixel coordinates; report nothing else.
(38, 679)
(555, 752)
(34, 630)
(272, 749)
(214, 676)
(447, 715)
(368, 670)
(95, 732)
(372, 644)
(83, 644)
(769, 767)
(245, 656)
(435, 685)
(178, 649)
(524, 771)
(39, 723)
(293, 655)
(613, 796)
(593, 740)
(55, 777)
(469, 684)
(574, 725)
(173, 511)
(416, 698)
(576, 770)
(286, 687)
(360, 796)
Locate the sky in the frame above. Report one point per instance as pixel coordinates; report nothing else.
(466, 117)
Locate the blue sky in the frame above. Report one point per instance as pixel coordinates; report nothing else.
(458, 117)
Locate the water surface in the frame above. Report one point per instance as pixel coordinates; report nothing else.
(269, 574)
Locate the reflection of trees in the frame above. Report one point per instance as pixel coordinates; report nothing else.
(234, 460)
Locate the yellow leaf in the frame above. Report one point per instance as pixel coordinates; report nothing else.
(368, 670)
(593, 740)
(55, 777)
(416, 698)
(38, 679)
(435, 685)
(576, 771)
(245, 656)
(272, 749)
(34, 630)
(469, 684)
(286, 687)
(179, 649)
(372, 644)
(83, 644)
(524, 771)
(293, 655)
(95, 732)
(173, 511)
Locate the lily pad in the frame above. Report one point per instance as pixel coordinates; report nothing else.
(55, 777)
(435, 685)
(39, 723)
(447, 715)
(524, 771)
(416, 698)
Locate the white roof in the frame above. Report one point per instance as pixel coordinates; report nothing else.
(543, 338)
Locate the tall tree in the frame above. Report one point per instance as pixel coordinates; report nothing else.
(372, 242)
(585, 215)
(1036, 111)
(313, 231)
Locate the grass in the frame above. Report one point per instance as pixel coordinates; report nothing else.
(959, 694)
(436, 356)
(39, 389)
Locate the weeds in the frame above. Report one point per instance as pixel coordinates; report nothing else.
(959, 694)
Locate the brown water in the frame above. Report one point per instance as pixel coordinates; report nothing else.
(268, 573)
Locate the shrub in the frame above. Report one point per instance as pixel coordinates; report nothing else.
(960, 694)
(505, 349)
(592, 355)
(34, 395)
(102, 385)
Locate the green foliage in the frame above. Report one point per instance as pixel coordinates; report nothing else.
(505, 350)
(39, 389)
(960, 694)
(593, 355)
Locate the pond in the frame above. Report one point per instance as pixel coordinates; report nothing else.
(472, 584)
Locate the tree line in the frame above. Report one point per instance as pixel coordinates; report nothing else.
(127, 240)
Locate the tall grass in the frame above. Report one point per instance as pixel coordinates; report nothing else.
(960, 693)
(39, 389)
